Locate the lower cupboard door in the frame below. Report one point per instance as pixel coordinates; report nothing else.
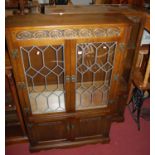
(49, 131)
(92, 127)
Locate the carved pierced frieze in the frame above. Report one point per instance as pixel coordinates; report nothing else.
(68, 33)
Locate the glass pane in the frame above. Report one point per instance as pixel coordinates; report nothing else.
(44, 71)
(93, 70)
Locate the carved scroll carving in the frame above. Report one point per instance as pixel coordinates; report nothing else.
(68, 33)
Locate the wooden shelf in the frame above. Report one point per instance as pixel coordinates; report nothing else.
(53, 101)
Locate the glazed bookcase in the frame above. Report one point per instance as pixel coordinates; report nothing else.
(69, 75)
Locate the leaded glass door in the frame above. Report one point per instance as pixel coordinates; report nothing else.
(44, 69)
(70, 76)
(94, 66)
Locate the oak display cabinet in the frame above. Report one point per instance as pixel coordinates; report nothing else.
(69, 75)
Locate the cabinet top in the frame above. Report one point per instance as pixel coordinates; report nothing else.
(87, 9)
(39, 20)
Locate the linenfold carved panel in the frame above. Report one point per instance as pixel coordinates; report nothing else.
(68, 33)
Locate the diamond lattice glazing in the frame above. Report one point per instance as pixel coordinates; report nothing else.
(44, 71)
(93, 69)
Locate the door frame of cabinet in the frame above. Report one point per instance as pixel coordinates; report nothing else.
(14, 51)
(71, 126)
(116, 72)
(35, 130)
(14, 46)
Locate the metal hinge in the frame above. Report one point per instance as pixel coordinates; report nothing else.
(116, 76)
(26, 110)
(70, 78)
(111, 101)
(73, 78)
(122, 47)
(67, 78)
(15, 53)
(21, 85)
(131, 45)
(70, 126)
(29, 125)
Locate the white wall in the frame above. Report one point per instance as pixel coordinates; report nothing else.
(145, 38)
